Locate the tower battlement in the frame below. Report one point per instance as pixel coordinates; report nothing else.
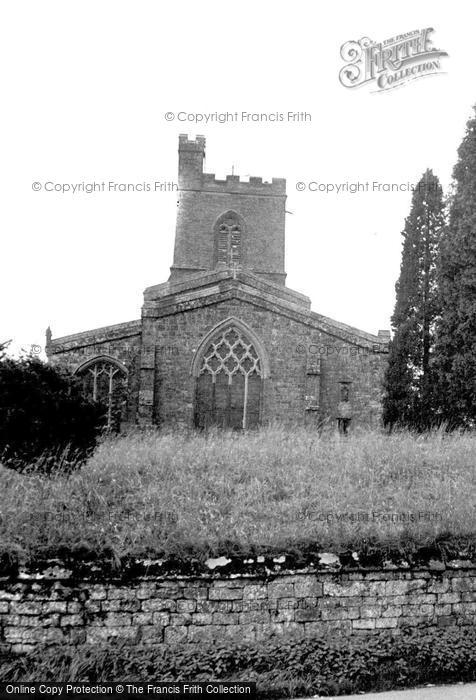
(192, 177)
(233, 183)
(191, 157)
(186, 142)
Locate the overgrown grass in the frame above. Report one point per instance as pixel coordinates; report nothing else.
(183, 493)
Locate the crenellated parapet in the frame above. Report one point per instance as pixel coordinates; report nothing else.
(234, 184)
(192, 177)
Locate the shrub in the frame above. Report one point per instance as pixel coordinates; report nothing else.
(45, 421)
(280, 667)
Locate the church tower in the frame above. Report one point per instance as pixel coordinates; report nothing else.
(226, 223)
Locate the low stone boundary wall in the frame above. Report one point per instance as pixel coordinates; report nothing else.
(178, 609)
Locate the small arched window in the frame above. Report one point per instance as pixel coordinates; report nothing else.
(228, 235)
(105, 380)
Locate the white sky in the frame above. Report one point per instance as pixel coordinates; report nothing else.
(85, 87)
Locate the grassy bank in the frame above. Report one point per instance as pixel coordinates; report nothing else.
(178, 494)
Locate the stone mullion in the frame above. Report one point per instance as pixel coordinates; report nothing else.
(245, 401)
(214, 398)
(95, 383)
(109, 403)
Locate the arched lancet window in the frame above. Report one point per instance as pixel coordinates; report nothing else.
(229, 374)
(105, 380)
(228, 239)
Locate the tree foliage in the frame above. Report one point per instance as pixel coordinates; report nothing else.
(408, 382)
(44, 418)
(455, 350)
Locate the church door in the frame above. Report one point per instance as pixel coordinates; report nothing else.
(228, 391)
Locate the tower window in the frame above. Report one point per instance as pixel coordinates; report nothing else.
(229, 240)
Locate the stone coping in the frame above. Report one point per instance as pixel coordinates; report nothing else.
(221, 568)
(94, 336)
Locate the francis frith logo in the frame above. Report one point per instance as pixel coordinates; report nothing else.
(390, 63)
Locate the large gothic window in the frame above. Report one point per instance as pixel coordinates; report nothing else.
(229, 381)
(229, 239)
(104, 380)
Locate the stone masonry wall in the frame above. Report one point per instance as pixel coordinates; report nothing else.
(60, 609)
(262, 237)
(162, 347)
(290, 345)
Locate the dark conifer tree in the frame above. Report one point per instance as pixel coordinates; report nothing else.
(455, 348)
(408, 383)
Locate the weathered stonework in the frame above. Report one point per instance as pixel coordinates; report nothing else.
(234, 276)
(121, 342)
(41, 609)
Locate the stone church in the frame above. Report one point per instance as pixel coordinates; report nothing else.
(224, 341)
